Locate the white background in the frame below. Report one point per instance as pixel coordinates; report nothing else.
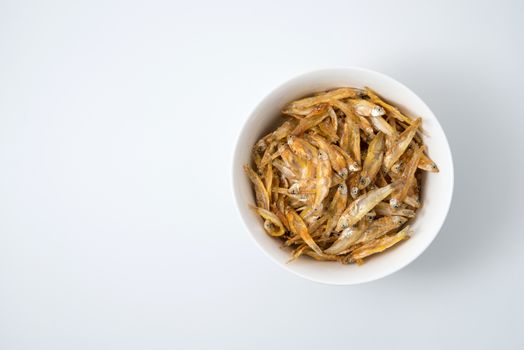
(117, 223)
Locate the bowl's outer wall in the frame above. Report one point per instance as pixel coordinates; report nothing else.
(436, 194)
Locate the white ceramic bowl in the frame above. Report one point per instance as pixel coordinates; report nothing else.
(436, 194)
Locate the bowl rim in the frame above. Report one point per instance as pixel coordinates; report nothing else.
(236, 195)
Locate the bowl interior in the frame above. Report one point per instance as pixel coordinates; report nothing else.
(436, 192)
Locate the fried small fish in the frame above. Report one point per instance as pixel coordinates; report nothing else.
(362, 205)
(339, 174)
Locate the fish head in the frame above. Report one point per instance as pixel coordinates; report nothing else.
(343, 189)
(399, 220)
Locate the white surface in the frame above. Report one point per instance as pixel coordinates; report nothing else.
(117, 224)
(436, 196)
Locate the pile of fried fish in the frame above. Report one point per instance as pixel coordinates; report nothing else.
(339, 179)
